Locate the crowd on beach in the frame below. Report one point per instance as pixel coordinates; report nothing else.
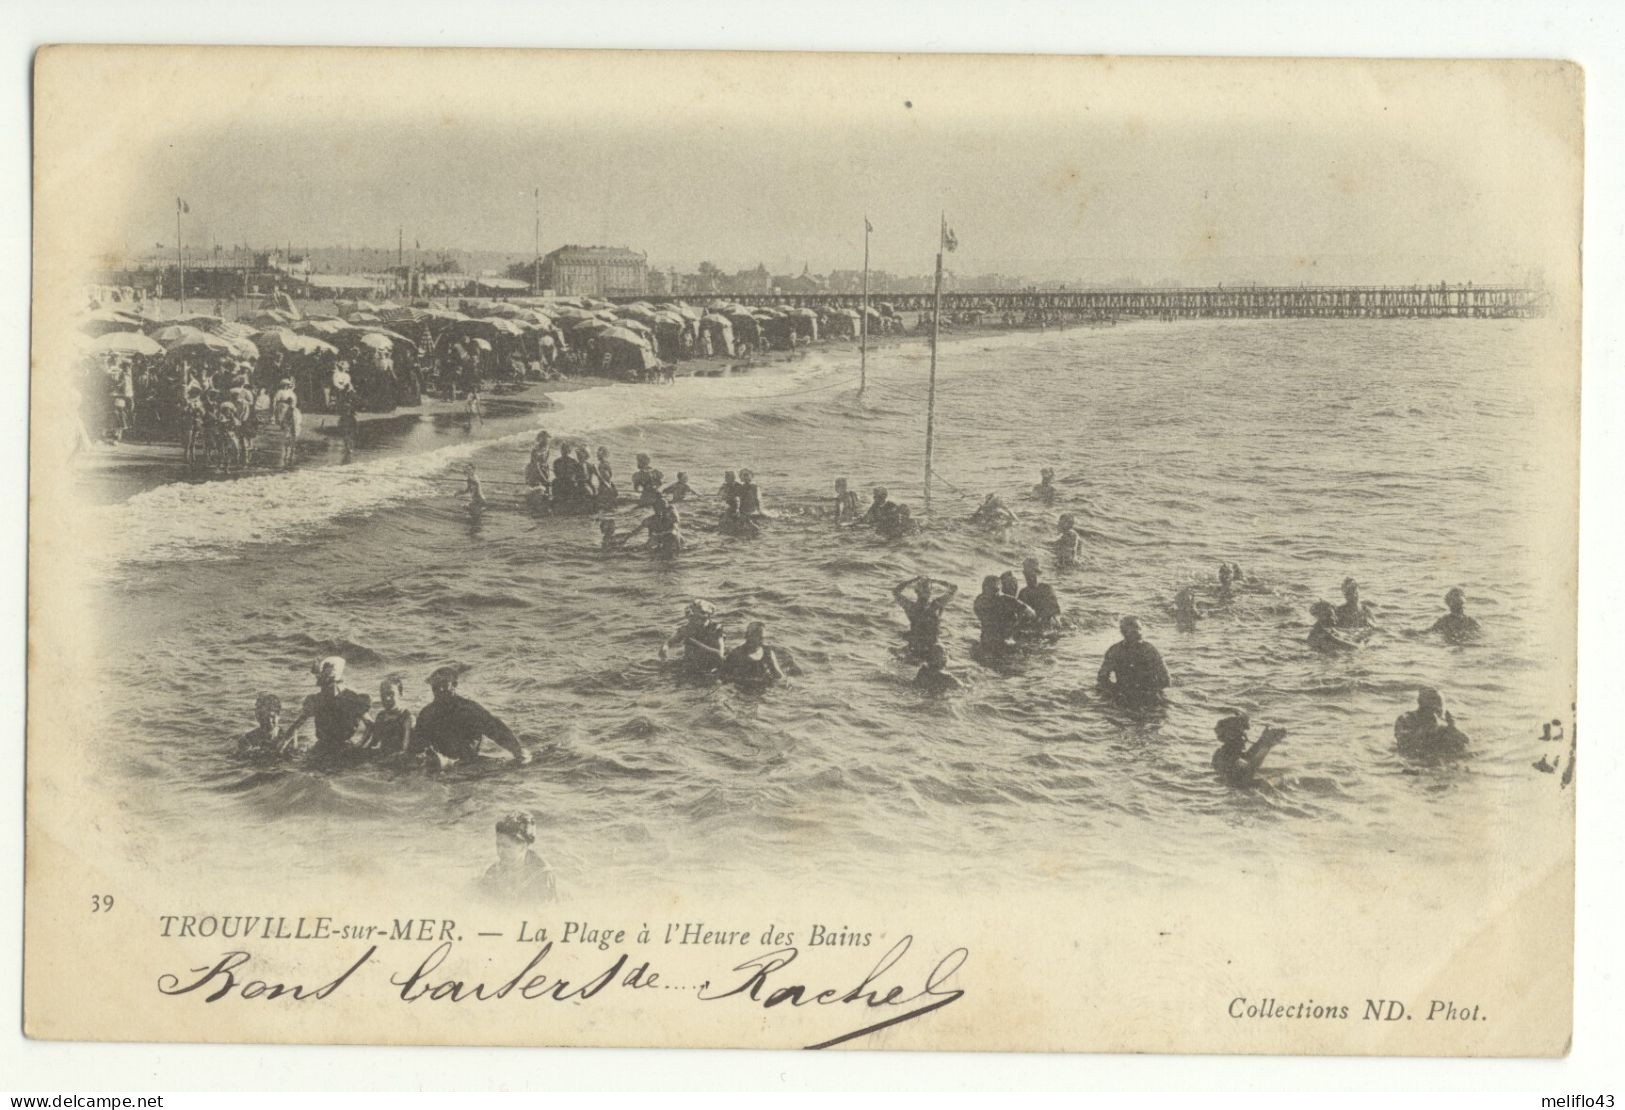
(206, 383)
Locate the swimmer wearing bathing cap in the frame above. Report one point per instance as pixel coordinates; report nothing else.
(1236, 763)
(701, 638)
(340, 714)
(452, 727)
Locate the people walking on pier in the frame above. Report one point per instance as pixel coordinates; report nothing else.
(1132, 672)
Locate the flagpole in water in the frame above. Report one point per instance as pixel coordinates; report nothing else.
(931, 388)
(863, 325)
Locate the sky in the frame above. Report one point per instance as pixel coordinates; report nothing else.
(1067, 169)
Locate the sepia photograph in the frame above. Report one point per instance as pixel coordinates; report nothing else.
(684, 549)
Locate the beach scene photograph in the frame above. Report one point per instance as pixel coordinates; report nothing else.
(542, 478)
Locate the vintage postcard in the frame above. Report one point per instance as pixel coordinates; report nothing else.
(797, 551)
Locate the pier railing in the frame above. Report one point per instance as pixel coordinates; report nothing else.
(1380, 301)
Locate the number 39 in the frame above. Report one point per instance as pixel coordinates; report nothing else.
(101, 903)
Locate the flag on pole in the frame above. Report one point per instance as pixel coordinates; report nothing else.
(417, 244)
(182, 206)
(867, 226)
(950, 241)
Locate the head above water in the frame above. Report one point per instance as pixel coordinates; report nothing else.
(1224, 574)
(1429, 699)
(330, 671)
(1351, 589)
(880, 494)
(754, 632)
(1232, 729)
(606, 526)
(603, 452)
(728, 478)
(267, 708)
(1029, 568)
(1067, 522)
(443, 680)
(1007, 583)
(699, 609)
(520, 827)
(682, 475)
(1130, 628)
(990, 584)
(643, 459)
(840, 485)
(1455, 599)
(1047, 475)
(1323, 612)
(746, 476)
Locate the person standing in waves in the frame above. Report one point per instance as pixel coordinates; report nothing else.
(340, 714)
(924, 612)
(1132, 672)
(451, 726)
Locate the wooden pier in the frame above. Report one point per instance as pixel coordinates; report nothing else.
(1479, 302)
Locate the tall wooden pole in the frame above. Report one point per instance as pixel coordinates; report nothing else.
(536, 280)
(180, 255)
(863, 324)
(931, 388)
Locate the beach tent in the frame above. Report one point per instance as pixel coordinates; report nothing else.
(109, 319)
(291, 342)
(126, 343)
(170, 334)
(720, 330)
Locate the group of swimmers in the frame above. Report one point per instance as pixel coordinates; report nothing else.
(450, 730)
(1008, 612)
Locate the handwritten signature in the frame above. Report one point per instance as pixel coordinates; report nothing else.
(763, 982)
(760, 968)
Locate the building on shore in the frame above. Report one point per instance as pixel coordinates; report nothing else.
(578, 271)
